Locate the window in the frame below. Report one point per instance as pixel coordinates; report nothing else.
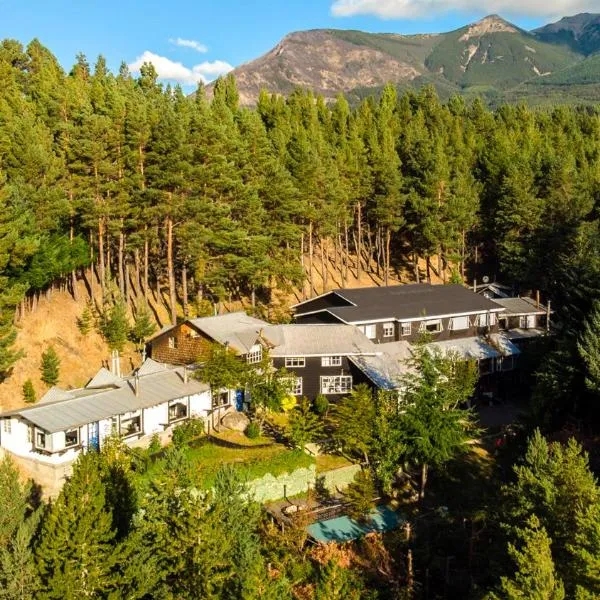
(459, 323)
(331, 361)
(295, 361)
(528, 322)
(388, 330)
(339, 384)
(130, 424)
(29, 435)
(255, 354)
(178, 409)
(433, 326)
(40, 439)
(405, 329)
(486, 319)
(172, 343)
(295, 386)
(71, 437)
(486, 366)
(370, 331)
(7, 425)
(505, 363)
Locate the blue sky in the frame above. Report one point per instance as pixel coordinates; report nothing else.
(200, 39)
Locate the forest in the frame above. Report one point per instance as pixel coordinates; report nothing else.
(137, 188)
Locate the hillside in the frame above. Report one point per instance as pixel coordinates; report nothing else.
(491, 57)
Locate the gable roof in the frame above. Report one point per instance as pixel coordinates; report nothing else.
(383, 370)
(318, 340)
(75, 408)
(237, 329)
(403, 302)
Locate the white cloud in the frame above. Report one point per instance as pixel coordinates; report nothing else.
(189, 44)
(169, 70)
(411, 9)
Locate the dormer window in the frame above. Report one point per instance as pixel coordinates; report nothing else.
(255, 354)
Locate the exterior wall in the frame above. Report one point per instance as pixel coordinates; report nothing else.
(337, 479)
(318, 319)
(312, 372)
(445, 334)
(200, 404)
(189, 346)
(327, 301)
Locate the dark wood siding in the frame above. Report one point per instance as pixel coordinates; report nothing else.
(311, 374)
(415, 335)
(188, 348)
(318, 319)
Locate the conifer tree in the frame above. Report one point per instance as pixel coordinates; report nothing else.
(75, 549)
(50, 367)
(29, 392)
(535, 577)
(304, 425)
(143, 326)
(114, 325)
(589, 347)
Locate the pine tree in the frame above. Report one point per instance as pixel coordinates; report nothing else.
(143, 326)
(535, 578)
(589, 347)
(86, 320)
(29, 392)
(75, 549)
(50, 367)
(338, 583)
(114, 325)
(304, 425)
(360, 494)
(585, 550)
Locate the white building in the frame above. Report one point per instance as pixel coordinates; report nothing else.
(66, 422)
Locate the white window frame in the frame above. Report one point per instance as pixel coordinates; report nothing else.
(172, 342)
(77, 441)
(388, 329)
(7, 426)
(336, 384)
(425, 324)
(528, 322)
(368, 329)
(503, 361)
(452, 326)
(486, 319)
(405, 328)
(44, 435)
(296, 362)
(131, 416)
(331, 361)
(255, 355)
(184, 401)
(296, 386)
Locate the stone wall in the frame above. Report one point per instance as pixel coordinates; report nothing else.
(337, 479)
(269, 488)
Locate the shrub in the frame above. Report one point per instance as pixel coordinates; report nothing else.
(154, 446)
(187, 431)
(29, 392)
(253, 431)
(359, 495)
(288, 403)
(321, 405)
(86, 320)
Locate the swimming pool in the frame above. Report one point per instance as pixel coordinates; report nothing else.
(344, 529)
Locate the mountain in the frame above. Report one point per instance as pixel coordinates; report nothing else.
(581, 33)
(491, 57)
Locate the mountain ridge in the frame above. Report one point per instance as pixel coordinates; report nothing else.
(491, 57)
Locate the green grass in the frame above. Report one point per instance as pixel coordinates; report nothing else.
(252, 462)
(329, 462)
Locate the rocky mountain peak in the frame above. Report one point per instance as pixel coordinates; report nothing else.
(489, 24)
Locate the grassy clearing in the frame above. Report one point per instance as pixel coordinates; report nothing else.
(329, 462)
(252, 462)
(239, 438)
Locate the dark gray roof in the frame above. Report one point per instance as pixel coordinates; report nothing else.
(75, 408)
(399, 302)
(318, 340)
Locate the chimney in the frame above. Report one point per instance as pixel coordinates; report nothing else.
(136, 385)
(475, 285)
(537, 299)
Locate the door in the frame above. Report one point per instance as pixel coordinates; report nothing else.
(94, 436)
(239, 400)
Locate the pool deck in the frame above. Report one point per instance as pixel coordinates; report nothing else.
(345, 529)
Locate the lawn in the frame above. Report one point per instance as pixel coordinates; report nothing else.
(251, 461)
(329, 462)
